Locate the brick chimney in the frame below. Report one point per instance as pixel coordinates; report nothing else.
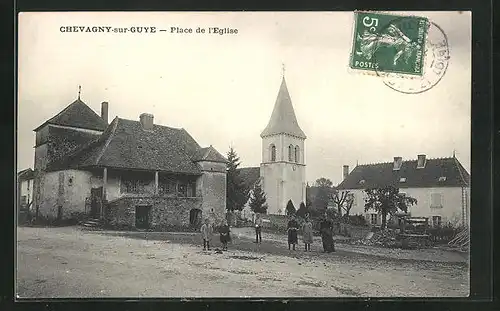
(147, 121)
(397, 163)
(345, 171)
(104, 111)
(421, 161)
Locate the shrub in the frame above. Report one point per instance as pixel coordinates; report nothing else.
(357, 220)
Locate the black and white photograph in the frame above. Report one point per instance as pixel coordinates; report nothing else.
(243, 154)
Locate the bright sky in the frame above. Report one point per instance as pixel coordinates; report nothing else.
(222, 88)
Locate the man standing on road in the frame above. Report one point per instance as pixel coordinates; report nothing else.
(206, 234)
(258, 228)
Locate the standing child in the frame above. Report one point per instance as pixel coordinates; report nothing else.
(206, 234)
(307, 233)
(258, 228)
(293, 226)
(225, 237)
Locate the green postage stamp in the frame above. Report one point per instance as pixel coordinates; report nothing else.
(389, 43)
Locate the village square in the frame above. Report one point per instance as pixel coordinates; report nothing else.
(116, 200)
(205, 166)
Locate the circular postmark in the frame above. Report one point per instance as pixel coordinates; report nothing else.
(434, 60)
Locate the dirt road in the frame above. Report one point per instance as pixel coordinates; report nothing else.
(69, 262)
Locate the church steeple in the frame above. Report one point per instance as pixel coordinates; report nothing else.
(283, 119)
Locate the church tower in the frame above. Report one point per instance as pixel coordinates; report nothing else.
(283, 167)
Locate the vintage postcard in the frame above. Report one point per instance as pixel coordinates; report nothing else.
(243, 154)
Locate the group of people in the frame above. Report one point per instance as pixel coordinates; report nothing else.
(326, 230)
(207, 232)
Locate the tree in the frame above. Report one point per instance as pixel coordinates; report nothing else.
(258, 200)
(290, 209)
(343, 201)
(324, 183)
(324, 189)
(349, 201)
(387, 200)
(236, 194)
(302, 211)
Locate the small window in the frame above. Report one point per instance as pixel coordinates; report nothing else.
(442, 178)
(70, 181)
(362, 182)
(402, 179)
(436, 200)
(290, 153)
(436, 221)
(273, 152)
(182, 190)
(297, 154)
(373, 219)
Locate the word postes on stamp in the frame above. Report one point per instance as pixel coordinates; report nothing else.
(389, 43)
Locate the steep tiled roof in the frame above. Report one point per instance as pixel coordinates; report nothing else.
(283, 119)
(77, 114)
(382, 174)
(209, 154)
(26, 174)
(249, 176)
(125, 144)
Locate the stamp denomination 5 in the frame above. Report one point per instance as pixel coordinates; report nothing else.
(388, 43)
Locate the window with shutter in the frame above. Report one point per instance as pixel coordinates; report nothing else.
(436, 200)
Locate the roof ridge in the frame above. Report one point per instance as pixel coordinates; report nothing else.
(412, 160)
(58, 114)
(458, 164)
(65, 109)
(160, 125)
(108, 140)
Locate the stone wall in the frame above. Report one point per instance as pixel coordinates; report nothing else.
(213, 190)
(67, 189)
(166, 213)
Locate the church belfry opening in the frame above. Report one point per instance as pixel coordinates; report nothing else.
(273, 152)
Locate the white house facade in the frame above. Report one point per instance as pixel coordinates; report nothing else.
(440, 186)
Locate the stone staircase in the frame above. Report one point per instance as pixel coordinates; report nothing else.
(92, 224)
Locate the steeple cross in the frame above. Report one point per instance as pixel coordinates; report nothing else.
(283, 69)
(79, 91)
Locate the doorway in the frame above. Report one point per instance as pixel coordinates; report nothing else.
(142, 216)
(195, 218)
(95, 201)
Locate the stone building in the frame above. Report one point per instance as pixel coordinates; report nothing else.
(282, 172)
(441, 187)
(131, 173)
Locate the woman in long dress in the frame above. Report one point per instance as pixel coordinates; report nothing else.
(326, 228)
(292, 228)
(307, 234)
